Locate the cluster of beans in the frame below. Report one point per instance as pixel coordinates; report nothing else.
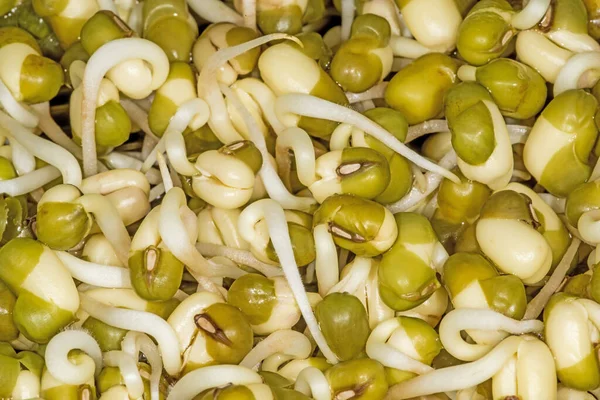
(299, 199)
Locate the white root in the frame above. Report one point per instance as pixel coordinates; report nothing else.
(199, 380)
(106, 57)
(531, 14)
(273, 184)
(311, 106)
(280, 237)
(457, 377)
(44, 149)
(537, 304)
(59, 365)
(208, 86)
(15, 109)
(95, 274)
(215, 11)
(141, 321)
(581, 71)
(347, 18)
(285, 341)
(482, 319)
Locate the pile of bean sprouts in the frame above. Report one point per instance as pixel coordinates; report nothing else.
(299, 199)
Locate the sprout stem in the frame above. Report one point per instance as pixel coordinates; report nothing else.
(215, 11)
(104, 59)
(44, 149)
(15, 109)
(280, 237)
(457, 377)
(536, 306)
(285, 341)
(311, 106)
(461, 319)
(141, 321)
(95, 274)
(59, 365)
(199, 380)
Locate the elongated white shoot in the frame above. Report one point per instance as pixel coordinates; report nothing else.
(457, 377)
(311, 106)
(273, 184)
(95, 274)
(531, 14)
(106, 57)
(62, 368)
(273, 214)
(141, 321)
(286, 341)
(482, 319)
(45, 150)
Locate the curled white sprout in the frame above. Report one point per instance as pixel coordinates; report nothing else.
(298, 141)
(537, 304)
(311, 106)
(215, 11)
(128, 368)
(531, 14)
(15, 109)
(59, 365)
(482, 319)
(277, 226)
(378, 349)
(199, 380)
(286, 341)
(44, 149)
(108, 5)
(95, 274)
(137, 342)
(581, 71)
(29, 182)
(208, 86)
(180, 241)
(356, 278)
(312, 382)
(273, 184)
(457, 377)
(141, 321)
(106, 57)
(172, 140)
